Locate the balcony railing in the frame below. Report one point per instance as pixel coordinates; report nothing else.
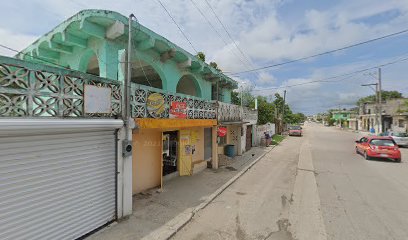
(35, 90)
(148, 102)
(229, 112)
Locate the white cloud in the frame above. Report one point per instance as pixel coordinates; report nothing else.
(14, 41)
(257, 26)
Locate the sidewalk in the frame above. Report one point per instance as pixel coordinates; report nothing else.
(155, 208)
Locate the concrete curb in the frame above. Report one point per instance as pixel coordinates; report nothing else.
(168, 230)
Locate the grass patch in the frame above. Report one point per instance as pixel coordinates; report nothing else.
(276, 139)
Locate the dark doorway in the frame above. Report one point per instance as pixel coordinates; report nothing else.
(207, 144)
(248, 141)
(170, 152)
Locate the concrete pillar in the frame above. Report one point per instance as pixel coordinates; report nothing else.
(125, 179)
(214, 148)
(122, 65)
(108, 61)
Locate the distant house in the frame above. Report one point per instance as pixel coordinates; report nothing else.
(341, 117)
(394, 114)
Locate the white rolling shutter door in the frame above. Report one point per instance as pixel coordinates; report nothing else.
(57, 186)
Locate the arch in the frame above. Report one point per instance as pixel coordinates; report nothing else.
(188, 85)
(89, 63)
(146, 74)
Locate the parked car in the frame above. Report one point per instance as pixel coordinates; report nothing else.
(295, 131)
(399, 137)
(378, 147)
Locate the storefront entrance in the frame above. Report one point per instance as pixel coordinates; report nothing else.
(248, 142)
(170, 153)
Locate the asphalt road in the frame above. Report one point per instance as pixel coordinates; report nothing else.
(256, 206)
(360, 199)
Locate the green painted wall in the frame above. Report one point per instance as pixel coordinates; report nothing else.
(75, 41)
(341, 116)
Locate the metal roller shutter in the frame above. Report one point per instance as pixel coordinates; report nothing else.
(57, 186)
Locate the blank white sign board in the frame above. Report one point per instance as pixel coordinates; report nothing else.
(97, 99)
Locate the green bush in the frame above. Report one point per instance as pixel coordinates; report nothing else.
(277, 139)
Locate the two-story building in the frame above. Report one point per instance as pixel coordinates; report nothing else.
(394, 115)
(341, 117)
(67, 94)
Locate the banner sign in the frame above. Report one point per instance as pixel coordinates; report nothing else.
(155, 105)
(97, 99)
(222, 131)
(178, 110)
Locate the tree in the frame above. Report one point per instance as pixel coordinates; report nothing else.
(385, 95)
(235, 98)
(403, 108)
(298, 118)
(201, 56)
(248, 100)
(215, 65)
(266, 111)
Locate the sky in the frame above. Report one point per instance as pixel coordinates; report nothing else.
(259, 33)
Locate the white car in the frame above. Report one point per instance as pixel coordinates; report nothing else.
(401, 139)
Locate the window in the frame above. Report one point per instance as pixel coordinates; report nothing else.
(401, 134)
(295, 128)
(214, 93)
(363, 140)
(222, 140)
(382, 142)
(401, 123)
(344, 115)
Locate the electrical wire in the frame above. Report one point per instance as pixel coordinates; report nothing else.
(26, 54)
(326, 80)
(182, 32)
(228, 33)
(322, 53)
(141, 66)
(217, 32)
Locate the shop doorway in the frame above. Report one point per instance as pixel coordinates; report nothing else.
(248, 139)
(170, 153)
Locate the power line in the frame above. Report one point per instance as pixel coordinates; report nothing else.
(323, 53)
(26, 54)
(182, 32)
(216, 31)
(337, 76)
(229, 35)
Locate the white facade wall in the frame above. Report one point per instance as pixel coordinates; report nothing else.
(261, 129)
(250, 118)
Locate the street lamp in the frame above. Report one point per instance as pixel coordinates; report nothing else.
(377, 103)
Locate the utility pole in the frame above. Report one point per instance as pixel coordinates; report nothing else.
(376, 102)
(283, 108)
(128, 79)
(241, 95)
(376, 108)
(379, 101)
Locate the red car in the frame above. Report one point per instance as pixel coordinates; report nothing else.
(295, 131)
(378, 147)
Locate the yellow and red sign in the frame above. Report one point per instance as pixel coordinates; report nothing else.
(178, 110)
(155, 104)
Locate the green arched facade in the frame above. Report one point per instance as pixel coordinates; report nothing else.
(105, 33)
